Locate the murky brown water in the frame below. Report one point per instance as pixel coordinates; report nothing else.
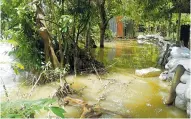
(127, 94)
(119, 91)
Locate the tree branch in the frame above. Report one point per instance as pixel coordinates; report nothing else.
(51, 22)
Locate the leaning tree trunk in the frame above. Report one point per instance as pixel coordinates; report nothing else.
(48, 49)
(176, 80)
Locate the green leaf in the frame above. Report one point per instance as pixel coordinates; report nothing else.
(46, 108)
(14, 116)
(36, 107)
(58, 111)
(19, 65)
(16, 71)
(64, 29)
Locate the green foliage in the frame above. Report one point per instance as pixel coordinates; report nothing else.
(158, 15)
(95, 32)
(28, 109)
(69, 20)
(109, 35)
(16, 67)
(19, 29)
(185, 18)
(58, 111)
(113, 8)
(65, 21)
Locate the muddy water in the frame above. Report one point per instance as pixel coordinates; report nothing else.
(127, 95)
(119, 91)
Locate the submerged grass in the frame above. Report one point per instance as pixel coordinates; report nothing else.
(127, 55)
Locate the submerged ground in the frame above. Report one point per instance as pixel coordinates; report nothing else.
(119, 90)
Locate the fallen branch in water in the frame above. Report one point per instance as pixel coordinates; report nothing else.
(90, 111)
(111, 65)
(64, 72)
(4, 87)
(32, 89)
(90, 70)
(97, 73)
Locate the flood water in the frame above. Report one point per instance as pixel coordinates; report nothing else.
(7, 75)
(119, 90)
(128, 55)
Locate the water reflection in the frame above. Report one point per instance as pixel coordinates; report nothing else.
(127, 54)
(111, 54)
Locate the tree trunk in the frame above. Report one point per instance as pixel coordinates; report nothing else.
(176, 80)
(76, 55)
(133, 28)
(178, 28)
(75, 45)
(169, 25)
(104, 21)
(61, 52)
(48, 49)
(75, 61)
(88, 36)
(102, 36)
(54, 57)
(173, 37)
(61, 38)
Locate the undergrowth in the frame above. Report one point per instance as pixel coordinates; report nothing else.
(28, 109)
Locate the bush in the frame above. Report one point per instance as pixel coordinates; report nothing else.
(109, 35)
(27, 109)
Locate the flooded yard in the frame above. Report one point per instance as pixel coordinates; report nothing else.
(119, 90)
